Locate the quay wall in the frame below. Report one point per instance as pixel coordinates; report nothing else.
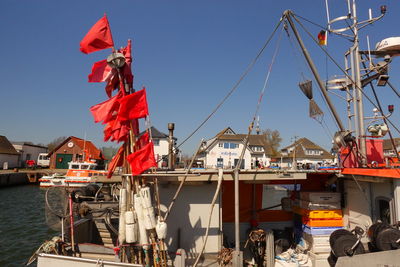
(10, 179)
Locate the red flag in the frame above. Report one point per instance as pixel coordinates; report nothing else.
(142, 141)
(117, 161)
(116, 131)
(101, 72)
(105, 111)
(142, 159)
(99, 37)
(133, 106)
(112, 84)
(127, 70)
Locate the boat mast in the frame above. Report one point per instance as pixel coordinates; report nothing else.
(357, 87)
(288, 15)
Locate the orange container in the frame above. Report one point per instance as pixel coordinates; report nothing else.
(323, 222)
(319, 214)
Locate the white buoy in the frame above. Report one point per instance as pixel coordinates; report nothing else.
(146, 197)
(161, 229)
(143, 239)
(122, 209)
(149, 218)
(131, 231)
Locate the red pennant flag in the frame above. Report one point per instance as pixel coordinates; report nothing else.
(101, 72)
(133, 106)
(116, 131)
(142, 159)
(127, 70)
(112, 84)
(117, 161)
(105, 111)
(98, 38)
(142, 141)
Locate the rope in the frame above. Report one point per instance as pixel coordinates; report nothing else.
(225, 256)
(340, 68)
(250, 66)
(220, 176)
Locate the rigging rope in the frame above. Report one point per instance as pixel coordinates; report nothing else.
(250, 66)
(341, 69)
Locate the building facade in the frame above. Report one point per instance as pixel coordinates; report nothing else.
(9, 157)
(74, 149)
(28, 151)
(161, 146)
(305, 154)
(224, 150)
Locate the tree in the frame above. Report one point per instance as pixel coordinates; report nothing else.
(273, 138)
(109, 152)
(53, 144)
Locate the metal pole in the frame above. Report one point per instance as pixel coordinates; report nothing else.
(171, 127)
(360, 107)
(237, 233)
(288, 15)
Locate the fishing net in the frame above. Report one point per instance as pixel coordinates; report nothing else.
(56, 207)
(315, 112)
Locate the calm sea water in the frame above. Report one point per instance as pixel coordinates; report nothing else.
(22, 224)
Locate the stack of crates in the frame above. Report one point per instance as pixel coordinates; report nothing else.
(317, 215)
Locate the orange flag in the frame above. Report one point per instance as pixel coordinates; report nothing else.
(98, 38)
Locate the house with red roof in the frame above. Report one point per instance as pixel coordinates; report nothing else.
(74, 149)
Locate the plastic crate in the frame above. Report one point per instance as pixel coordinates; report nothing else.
(320, 197)
(308, 205)
(323, 222)
(319, 230)
(318, 214)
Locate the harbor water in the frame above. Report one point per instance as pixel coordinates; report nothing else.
(22, 226)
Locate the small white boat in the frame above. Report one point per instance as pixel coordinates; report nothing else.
(79, 174)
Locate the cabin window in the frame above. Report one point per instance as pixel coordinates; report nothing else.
(92, 167)
(220, 144)
(272, 195)
(84, 167)
(74, 166)
(156, 142)
(383, 209)
(90, 174)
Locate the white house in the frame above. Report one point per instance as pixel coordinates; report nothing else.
(161, 145)
(305, 153)
(225, 148)
(8, 155)
(28, 151)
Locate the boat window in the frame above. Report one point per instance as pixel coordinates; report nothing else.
(383, 209)
(84, 167)
(74, 166)
(272, 195)
(90, 174)
(92, 167)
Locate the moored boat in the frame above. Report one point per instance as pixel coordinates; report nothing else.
(79, 174)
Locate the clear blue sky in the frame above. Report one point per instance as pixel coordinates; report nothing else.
(188, 54)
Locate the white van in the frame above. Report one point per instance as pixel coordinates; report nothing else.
(43, 160)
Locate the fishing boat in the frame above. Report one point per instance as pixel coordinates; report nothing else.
(79, 174)
(325, 217)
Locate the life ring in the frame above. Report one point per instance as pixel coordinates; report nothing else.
(60, 160)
